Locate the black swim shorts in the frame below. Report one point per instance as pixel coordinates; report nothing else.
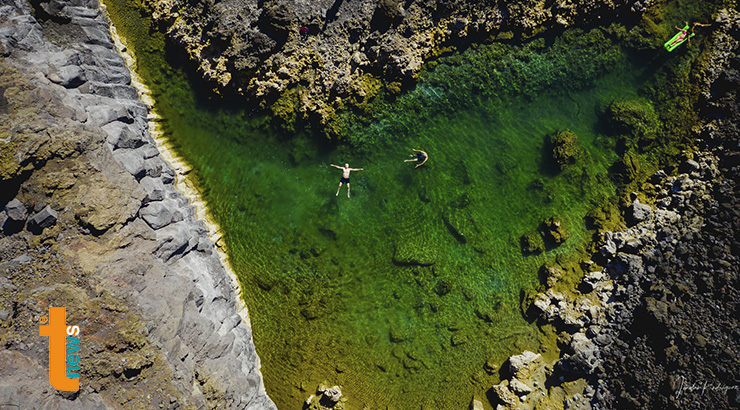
(344, 180)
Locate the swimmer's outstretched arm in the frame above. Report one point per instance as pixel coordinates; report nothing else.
(336, 166)
(697, 24)
(357, 169)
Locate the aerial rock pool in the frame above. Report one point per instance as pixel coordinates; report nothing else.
(408, 293)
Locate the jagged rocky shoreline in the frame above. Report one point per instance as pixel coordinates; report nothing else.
(257, 49)
(657, 327)
(91, 221)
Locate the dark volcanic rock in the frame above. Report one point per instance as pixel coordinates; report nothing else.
(681, 312)
(13, 216)
(658, 328)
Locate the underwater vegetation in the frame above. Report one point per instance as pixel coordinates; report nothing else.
(636, 119)
(491, 73)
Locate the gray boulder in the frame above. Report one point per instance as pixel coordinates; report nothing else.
(541, 303)
(46, 218)
(122, 135)
(610, 246)
(154, 167)
(640, 212)
(114, 91)
(523, 363)
(505, 396)
(68, 76)
(156, 214)
(154, 189)
(627, 264)
(132, 162)
(591, 280)
(331, 394)
(518, 387)
(81, 12)
(173, 240)
(16, 211)
(104, 114)
(585, 357)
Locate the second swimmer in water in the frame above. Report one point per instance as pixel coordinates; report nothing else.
(421, 157)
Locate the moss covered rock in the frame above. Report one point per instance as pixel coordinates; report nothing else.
(627, 169)
(532, 243)
(551, 274)
(603, 218)
(444, 286)
(554, 231)
(565, 148)
(285, 109)
(635, 119)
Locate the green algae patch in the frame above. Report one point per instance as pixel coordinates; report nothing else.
(285, 109)
(636, 119)
(413, 286)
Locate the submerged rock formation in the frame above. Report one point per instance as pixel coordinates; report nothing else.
(321, 56)
(565, 148)
(91, 221)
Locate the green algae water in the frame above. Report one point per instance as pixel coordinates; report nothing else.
(404, 291)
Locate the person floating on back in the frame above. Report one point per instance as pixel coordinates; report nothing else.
(421, 157)
(345, 176)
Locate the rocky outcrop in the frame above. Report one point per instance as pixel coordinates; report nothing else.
(626, 308)
(679, 344)
(91, 221)
(326, 398)
(657, 327)
(258, 48)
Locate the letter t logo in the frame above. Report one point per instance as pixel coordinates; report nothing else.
(56, 332)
